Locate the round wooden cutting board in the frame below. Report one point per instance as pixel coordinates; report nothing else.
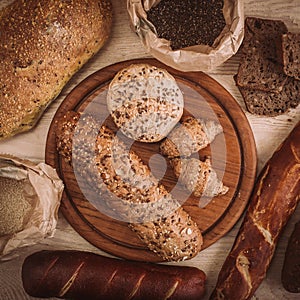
(233, 156)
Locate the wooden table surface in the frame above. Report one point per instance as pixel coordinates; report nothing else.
(268, 132)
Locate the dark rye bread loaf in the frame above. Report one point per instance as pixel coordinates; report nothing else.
(290, 46)
(270, 103)
(258, 66)
(42, 44)
(261, 79)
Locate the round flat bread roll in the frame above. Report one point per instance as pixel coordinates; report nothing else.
(145, 102)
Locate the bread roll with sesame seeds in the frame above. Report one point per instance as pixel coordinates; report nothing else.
(43, 43)
(145, 102)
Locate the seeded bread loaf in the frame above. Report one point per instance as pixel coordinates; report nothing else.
(145, 102)
(127, 187)
(259, 68)
(43, 43)
(189, 136)
(290, 275)
(290, 43)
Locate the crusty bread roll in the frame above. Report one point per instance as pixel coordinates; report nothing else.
(189, 137)
(43, 43)
(145, 102)
(198, 177)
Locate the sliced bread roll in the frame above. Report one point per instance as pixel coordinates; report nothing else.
(43, 43)
(145, 102)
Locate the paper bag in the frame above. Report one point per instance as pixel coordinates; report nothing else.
(41, 190)
(195, 58)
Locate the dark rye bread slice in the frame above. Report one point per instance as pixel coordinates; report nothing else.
(269, 103)
(290, 46)
(258, 67)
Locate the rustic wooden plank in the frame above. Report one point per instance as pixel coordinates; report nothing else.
(268, 133)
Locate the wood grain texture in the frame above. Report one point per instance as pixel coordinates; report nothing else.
(268, 133)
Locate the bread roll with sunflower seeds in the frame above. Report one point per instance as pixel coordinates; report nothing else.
(198, 177)
(145, 102)
(190, 136)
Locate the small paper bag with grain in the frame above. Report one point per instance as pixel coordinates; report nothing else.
(41, 190)
(194, 58)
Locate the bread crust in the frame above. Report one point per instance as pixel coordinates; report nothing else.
(145, 102)
(86, 275)
(274, 199)
(290, 49)
(43, 43)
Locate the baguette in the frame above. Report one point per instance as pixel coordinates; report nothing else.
(290, 275)
(43, 44)
(127, 187)
(85, 275)
(274, 199)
